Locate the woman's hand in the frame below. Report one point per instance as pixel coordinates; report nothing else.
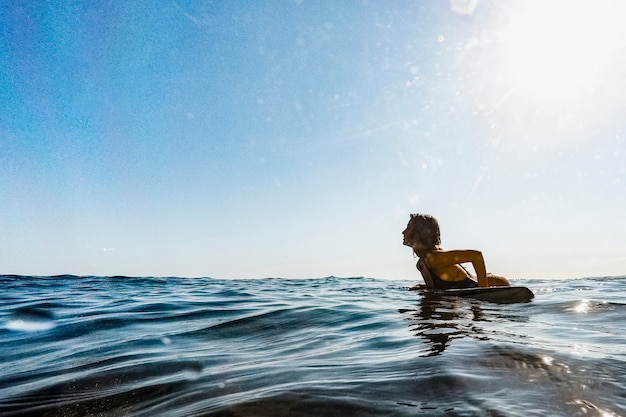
(418, 287)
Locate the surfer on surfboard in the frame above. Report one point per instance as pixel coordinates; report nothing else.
(441, 269)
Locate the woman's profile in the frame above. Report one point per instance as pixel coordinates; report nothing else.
(442, 269)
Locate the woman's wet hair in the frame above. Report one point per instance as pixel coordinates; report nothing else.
(426, 228)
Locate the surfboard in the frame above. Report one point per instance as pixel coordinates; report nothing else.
(492, 294)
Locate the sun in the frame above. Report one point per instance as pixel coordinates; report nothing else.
(558, 49)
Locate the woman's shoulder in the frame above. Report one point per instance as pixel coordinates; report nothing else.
(434, 257)
(447, 252)
(435, 253)
(440, 256)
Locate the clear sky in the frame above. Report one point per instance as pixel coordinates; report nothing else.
(238, 139)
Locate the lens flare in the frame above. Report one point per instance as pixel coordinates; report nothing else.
(558, 49)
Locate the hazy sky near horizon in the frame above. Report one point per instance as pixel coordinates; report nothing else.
(293, 138)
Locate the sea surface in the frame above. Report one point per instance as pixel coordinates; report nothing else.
(120, 346)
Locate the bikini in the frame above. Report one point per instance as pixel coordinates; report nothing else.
(446, 285)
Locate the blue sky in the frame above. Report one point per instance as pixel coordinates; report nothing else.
(293, 138)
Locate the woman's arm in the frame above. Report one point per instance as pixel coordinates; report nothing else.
(428, 280)
(443, 259)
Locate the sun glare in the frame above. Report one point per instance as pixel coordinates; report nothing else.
(558, 49)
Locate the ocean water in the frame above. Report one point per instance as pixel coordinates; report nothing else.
(119, 346)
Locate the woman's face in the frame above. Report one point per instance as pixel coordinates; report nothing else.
(412, 239)
(406, 234)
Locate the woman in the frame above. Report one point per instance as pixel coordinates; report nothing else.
(440, 268)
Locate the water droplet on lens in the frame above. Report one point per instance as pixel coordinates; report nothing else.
(193, 371)
(30, 319)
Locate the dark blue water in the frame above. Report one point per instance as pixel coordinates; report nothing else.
(117, 346)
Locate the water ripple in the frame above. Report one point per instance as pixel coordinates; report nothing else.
(202, 347)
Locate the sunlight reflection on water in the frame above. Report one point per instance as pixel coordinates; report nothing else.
(582, 307)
